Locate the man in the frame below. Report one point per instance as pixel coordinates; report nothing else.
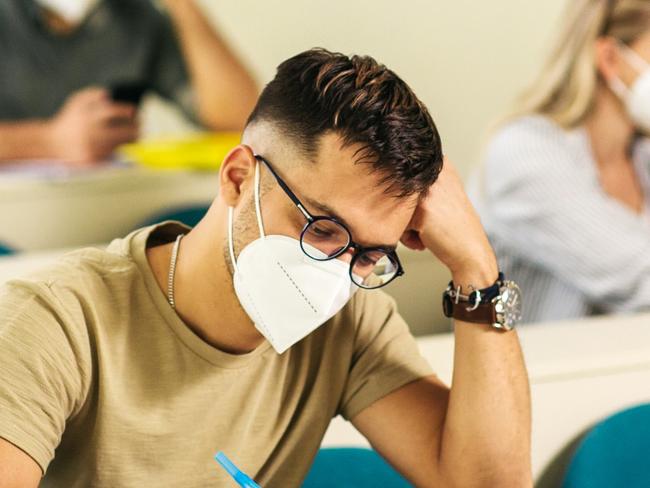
(248, 333)
(60, 59)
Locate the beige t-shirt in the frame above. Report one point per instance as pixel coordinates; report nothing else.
(104, 386)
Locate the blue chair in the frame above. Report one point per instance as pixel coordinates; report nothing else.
(352, 468)
(189, 215)
(615, 453)
(5, 250)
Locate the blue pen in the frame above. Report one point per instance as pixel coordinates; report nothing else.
(241, 478)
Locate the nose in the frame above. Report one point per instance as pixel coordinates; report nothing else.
(347, 255)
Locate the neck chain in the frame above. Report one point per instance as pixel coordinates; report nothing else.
(172, 272)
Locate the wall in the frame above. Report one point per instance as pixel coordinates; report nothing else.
(466, 59)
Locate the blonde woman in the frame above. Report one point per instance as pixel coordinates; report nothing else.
(565, 189)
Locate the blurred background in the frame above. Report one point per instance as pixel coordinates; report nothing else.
(467, 61)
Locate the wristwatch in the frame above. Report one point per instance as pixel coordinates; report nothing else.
(498, 305)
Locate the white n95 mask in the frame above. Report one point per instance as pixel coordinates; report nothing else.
(72, 11)
(286, 294)
(637, 97)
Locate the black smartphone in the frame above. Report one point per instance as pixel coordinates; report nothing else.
(128, 92)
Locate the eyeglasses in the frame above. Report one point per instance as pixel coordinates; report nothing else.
(324, 238)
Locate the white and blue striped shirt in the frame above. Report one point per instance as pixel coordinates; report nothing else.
(573, 249)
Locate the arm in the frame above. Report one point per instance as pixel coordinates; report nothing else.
(87, 129)
(226, 92)
(17, 469)
(13, 137)
(477, 434)
(43, 383)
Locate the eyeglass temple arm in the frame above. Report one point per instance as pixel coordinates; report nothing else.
(286, 189)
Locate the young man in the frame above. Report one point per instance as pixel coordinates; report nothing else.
(247, 334)
(60, 59)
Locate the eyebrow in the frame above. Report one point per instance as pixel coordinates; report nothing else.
(329, 212)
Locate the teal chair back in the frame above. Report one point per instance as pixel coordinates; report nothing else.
(4, 250)
(348, 467)
(615, 453)
(189, 215)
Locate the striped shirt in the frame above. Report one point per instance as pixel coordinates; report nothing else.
(573, 249)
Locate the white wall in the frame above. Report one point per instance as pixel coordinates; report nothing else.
(466, 59)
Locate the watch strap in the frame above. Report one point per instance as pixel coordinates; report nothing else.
(467, 309)
(485, 313)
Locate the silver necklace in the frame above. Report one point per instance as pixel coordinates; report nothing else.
(172, 272)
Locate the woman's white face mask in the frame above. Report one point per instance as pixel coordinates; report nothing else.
(72, 11)
(636, 97)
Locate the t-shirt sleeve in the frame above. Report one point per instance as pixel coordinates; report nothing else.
(169, 75)
(385, 357)
(40, 380)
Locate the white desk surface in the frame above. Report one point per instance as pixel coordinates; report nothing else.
(580, 371)
(58, 207)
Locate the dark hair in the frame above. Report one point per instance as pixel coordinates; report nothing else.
(318, 91)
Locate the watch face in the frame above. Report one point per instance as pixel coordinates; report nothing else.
(508, 306)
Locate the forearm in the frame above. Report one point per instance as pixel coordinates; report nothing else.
(486, 434)
(226, 92)
(25, 140)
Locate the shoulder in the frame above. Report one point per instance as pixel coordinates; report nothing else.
(528, 133)
(368, 315)
(538, 148)
(80, 277)
(138, 11)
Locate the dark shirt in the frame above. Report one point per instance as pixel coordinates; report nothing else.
(122, 41)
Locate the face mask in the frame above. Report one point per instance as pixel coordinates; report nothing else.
(72, 11)
(286, 294)
(637, 97)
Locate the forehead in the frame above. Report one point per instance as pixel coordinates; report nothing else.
(338, 180)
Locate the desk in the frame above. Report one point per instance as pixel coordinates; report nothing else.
(56, 209)
(580, 371)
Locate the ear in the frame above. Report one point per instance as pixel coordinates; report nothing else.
(608, 58)
(236, 174)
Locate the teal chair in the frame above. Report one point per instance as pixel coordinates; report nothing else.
(189, 215)
(615, 453)
(4, 250)
(348, 467)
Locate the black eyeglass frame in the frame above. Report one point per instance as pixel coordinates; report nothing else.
(359, 250)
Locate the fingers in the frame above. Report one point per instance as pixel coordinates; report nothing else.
(90, 96)
(116, 113)
(411, 239)
(121, 134)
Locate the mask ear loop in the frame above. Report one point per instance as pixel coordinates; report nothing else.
(258, 210)
(230, 239)
(619, 88)
(258, 213)
(634, 58)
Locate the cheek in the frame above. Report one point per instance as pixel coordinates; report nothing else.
(279, 217)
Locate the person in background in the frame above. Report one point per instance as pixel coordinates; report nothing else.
(132, 366)
(565, 186)
(60, 59)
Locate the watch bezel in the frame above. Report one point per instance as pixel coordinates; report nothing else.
(500, 309)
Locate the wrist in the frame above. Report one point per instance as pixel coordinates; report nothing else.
(50, 138)
(478, 274)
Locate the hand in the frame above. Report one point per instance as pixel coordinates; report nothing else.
(446, 223)
(89, 127)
